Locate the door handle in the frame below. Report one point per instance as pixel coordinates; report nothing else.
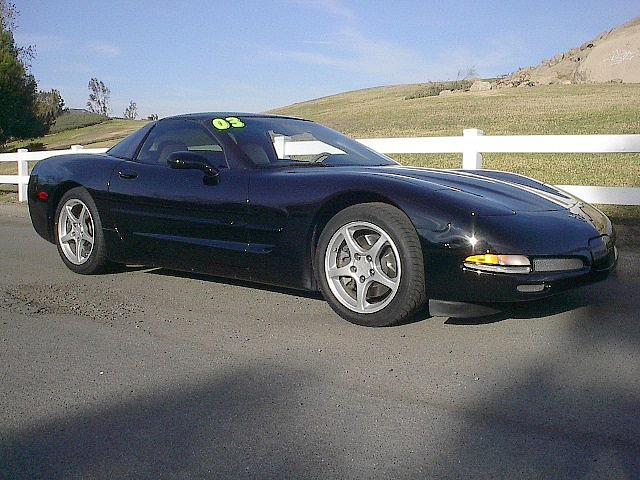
(127, 174)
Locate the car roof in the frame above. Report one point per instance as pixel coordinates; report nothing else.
(206, 116)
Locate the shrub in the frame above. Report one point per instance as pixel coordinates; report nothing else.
(433, 89)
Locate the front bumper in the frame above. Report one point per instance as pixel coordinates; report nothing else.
(488, 287)
(500, 291)
(468, 285)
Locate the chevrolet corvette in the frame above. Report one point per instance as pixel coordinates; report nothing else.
(291, 203)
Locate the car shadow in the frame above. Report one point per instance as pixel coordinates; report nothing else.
(601, 296)
(561, 303)
(239, 283)
(246, 422)
(540, 308)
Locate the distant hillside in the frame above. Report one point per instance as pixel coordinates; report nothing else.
(553, 109)
(104, 134)
(76, 118)
(612, 56)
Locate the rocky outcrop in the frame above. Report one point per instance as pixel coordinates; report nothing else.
(613, 56)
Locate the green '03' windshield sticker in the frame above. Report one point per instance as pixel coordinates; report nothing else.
(227, 123)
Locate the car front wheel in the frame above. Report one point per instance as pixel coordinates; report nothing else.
(370, 267)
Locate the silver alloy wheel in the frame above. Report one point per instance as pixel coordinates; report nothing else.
(76, 231)
(362, 267)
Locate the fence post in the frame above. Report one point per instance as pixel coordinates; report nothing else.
(278, 145)
(471, 158)
(23, 170)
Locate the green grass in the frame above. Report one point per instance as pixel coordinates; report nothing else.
(556, 109)
(73, 119)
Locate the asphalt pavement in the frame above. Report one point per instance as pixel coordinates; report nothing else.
(155, 374)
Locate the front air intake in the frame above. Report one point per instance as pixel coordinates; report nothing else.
(557, 264)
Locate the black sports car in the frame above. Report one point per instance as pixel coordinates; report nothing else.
(288, 202)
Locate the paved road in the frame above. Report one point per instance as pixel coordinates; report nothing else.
(149, 374)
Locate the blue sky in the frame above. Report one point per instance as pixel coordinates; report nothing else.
(183, 56)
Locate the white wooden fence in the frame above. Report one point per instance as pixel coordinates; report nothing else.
(471, 145)
(22, 157)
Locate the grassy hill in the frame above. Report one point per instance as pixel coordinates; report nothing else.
(76, 118)
(104, 134)
(554, 109)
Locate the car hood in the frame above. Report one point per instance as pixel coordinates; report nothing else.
(492, 195)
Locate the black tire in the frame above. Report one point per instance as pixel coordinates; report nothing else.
(97, 261)
(411, 296)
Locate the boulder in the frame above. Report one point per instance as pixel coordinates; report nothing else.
(480, 86)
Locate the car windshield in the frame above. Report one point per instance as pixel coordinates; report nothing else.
(275, 142)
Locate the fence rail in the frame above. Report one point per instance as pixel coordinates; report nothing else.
(471, 145)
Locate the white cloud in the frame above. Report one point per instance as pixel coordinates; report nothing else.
(53, 43)
(318, 42)
(497, 56)
(331, 7)
(382, 60)
(104, 49)
(334, 7)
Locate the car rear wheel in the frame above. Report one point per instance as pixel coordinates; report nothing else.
(78, 233)
(370, 267)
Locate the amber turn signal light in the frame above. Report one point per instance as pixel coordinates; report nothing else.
(490, 262)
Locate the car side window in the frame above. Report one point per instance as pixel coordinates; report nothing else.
(126, 149)
(171, 136)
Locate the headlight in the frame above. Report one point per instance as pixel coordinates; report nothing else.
(489, 262)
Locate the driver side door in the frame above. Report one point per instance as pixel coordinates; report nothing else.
(175, 218)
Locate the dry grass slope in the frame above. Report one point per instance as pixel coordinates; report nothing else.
(554, 109)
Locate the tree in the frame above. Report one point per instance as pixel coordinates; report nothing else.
(467, 73)
(49, 106)
(131, 112)
(8, 21)
(18, 88)
(8, 15)
(99, 95)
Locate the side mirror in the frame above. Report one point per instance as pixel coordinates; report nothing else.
(191, 160)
